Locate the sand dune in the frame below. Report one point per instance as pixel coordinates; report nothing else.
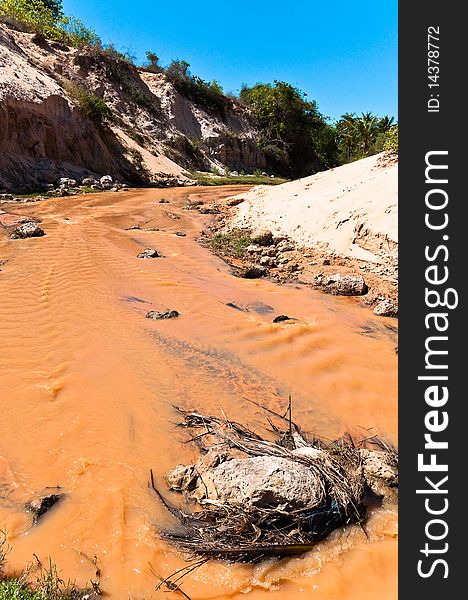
(351, 210)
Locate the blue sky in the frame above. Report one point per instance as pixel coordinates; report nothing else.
(342, 54)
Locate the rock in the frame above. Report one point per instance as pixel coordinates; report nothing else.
(180, 233)
(263, 238)
(148, 253)
(234, 201)
(209, 210)
(66, 182)
(132, 227)
(264, 174)
(173, 216)
(386, 308)
(269, 251)
(115, 188)
(39, 506)
(284, 247)
(106, 181)
(281, 318)
(293, 268)
(267, 261)
(183, 478)
(326, 262)
(235, 173)
(164, 201)
(253, 249)
(6, 197)
(261, 481)
(28, 220)
(179, 478)
(380, 471)
(157, 316)
(251, 272)
(344, 285)
(193, 203)
(89, 181)
(27, 230)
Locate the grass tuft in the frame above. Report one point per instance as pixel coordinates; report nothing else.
(231, 243)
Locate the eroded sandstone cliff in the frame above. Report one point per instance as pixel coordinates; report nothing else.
(153, 129)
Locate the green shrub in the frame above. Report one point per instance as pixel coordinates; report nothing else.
(92, 106)
(33, 14)
(153, 65)
(76, 33)
(391, 139)
(208, 96)
(138, 95)
(46, 18)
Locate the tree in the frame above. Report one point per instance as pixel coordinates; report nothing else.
(55, 6)
(33, 14)
(367, 131)
(347, 134)
(45, 17)
(385, 123)
(178, 69)
(153, 60)
(293, 129)
(216, 87)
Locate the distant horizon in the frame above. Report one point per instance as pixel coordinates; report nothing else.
(346, 63)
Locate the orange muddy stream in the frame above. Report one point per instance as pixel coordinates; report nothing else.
(87, 386)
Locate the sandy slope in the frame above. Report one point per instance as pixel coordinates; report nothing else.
(351, 210)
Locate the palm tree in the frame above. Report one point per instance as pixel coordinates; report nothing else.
(385, 123)
(347, 132)
(367, 129)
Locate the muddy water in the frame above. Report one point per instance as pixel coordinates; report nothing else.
(87, 386)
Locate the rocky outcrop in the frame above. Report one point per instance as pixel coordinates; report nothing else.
(153, 134)
(43, 141)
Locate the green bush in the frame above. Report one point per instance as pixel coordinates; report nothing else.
(153, 65)
(391, 139)
(76, 33)
(92, 106)
(46, 18)
(33, 14)
(208, 96)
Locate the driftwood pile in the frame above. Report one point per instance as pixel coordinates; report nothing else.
(256, 498)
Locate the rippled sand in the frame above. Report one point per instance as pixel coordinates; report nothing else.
(87, 386)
